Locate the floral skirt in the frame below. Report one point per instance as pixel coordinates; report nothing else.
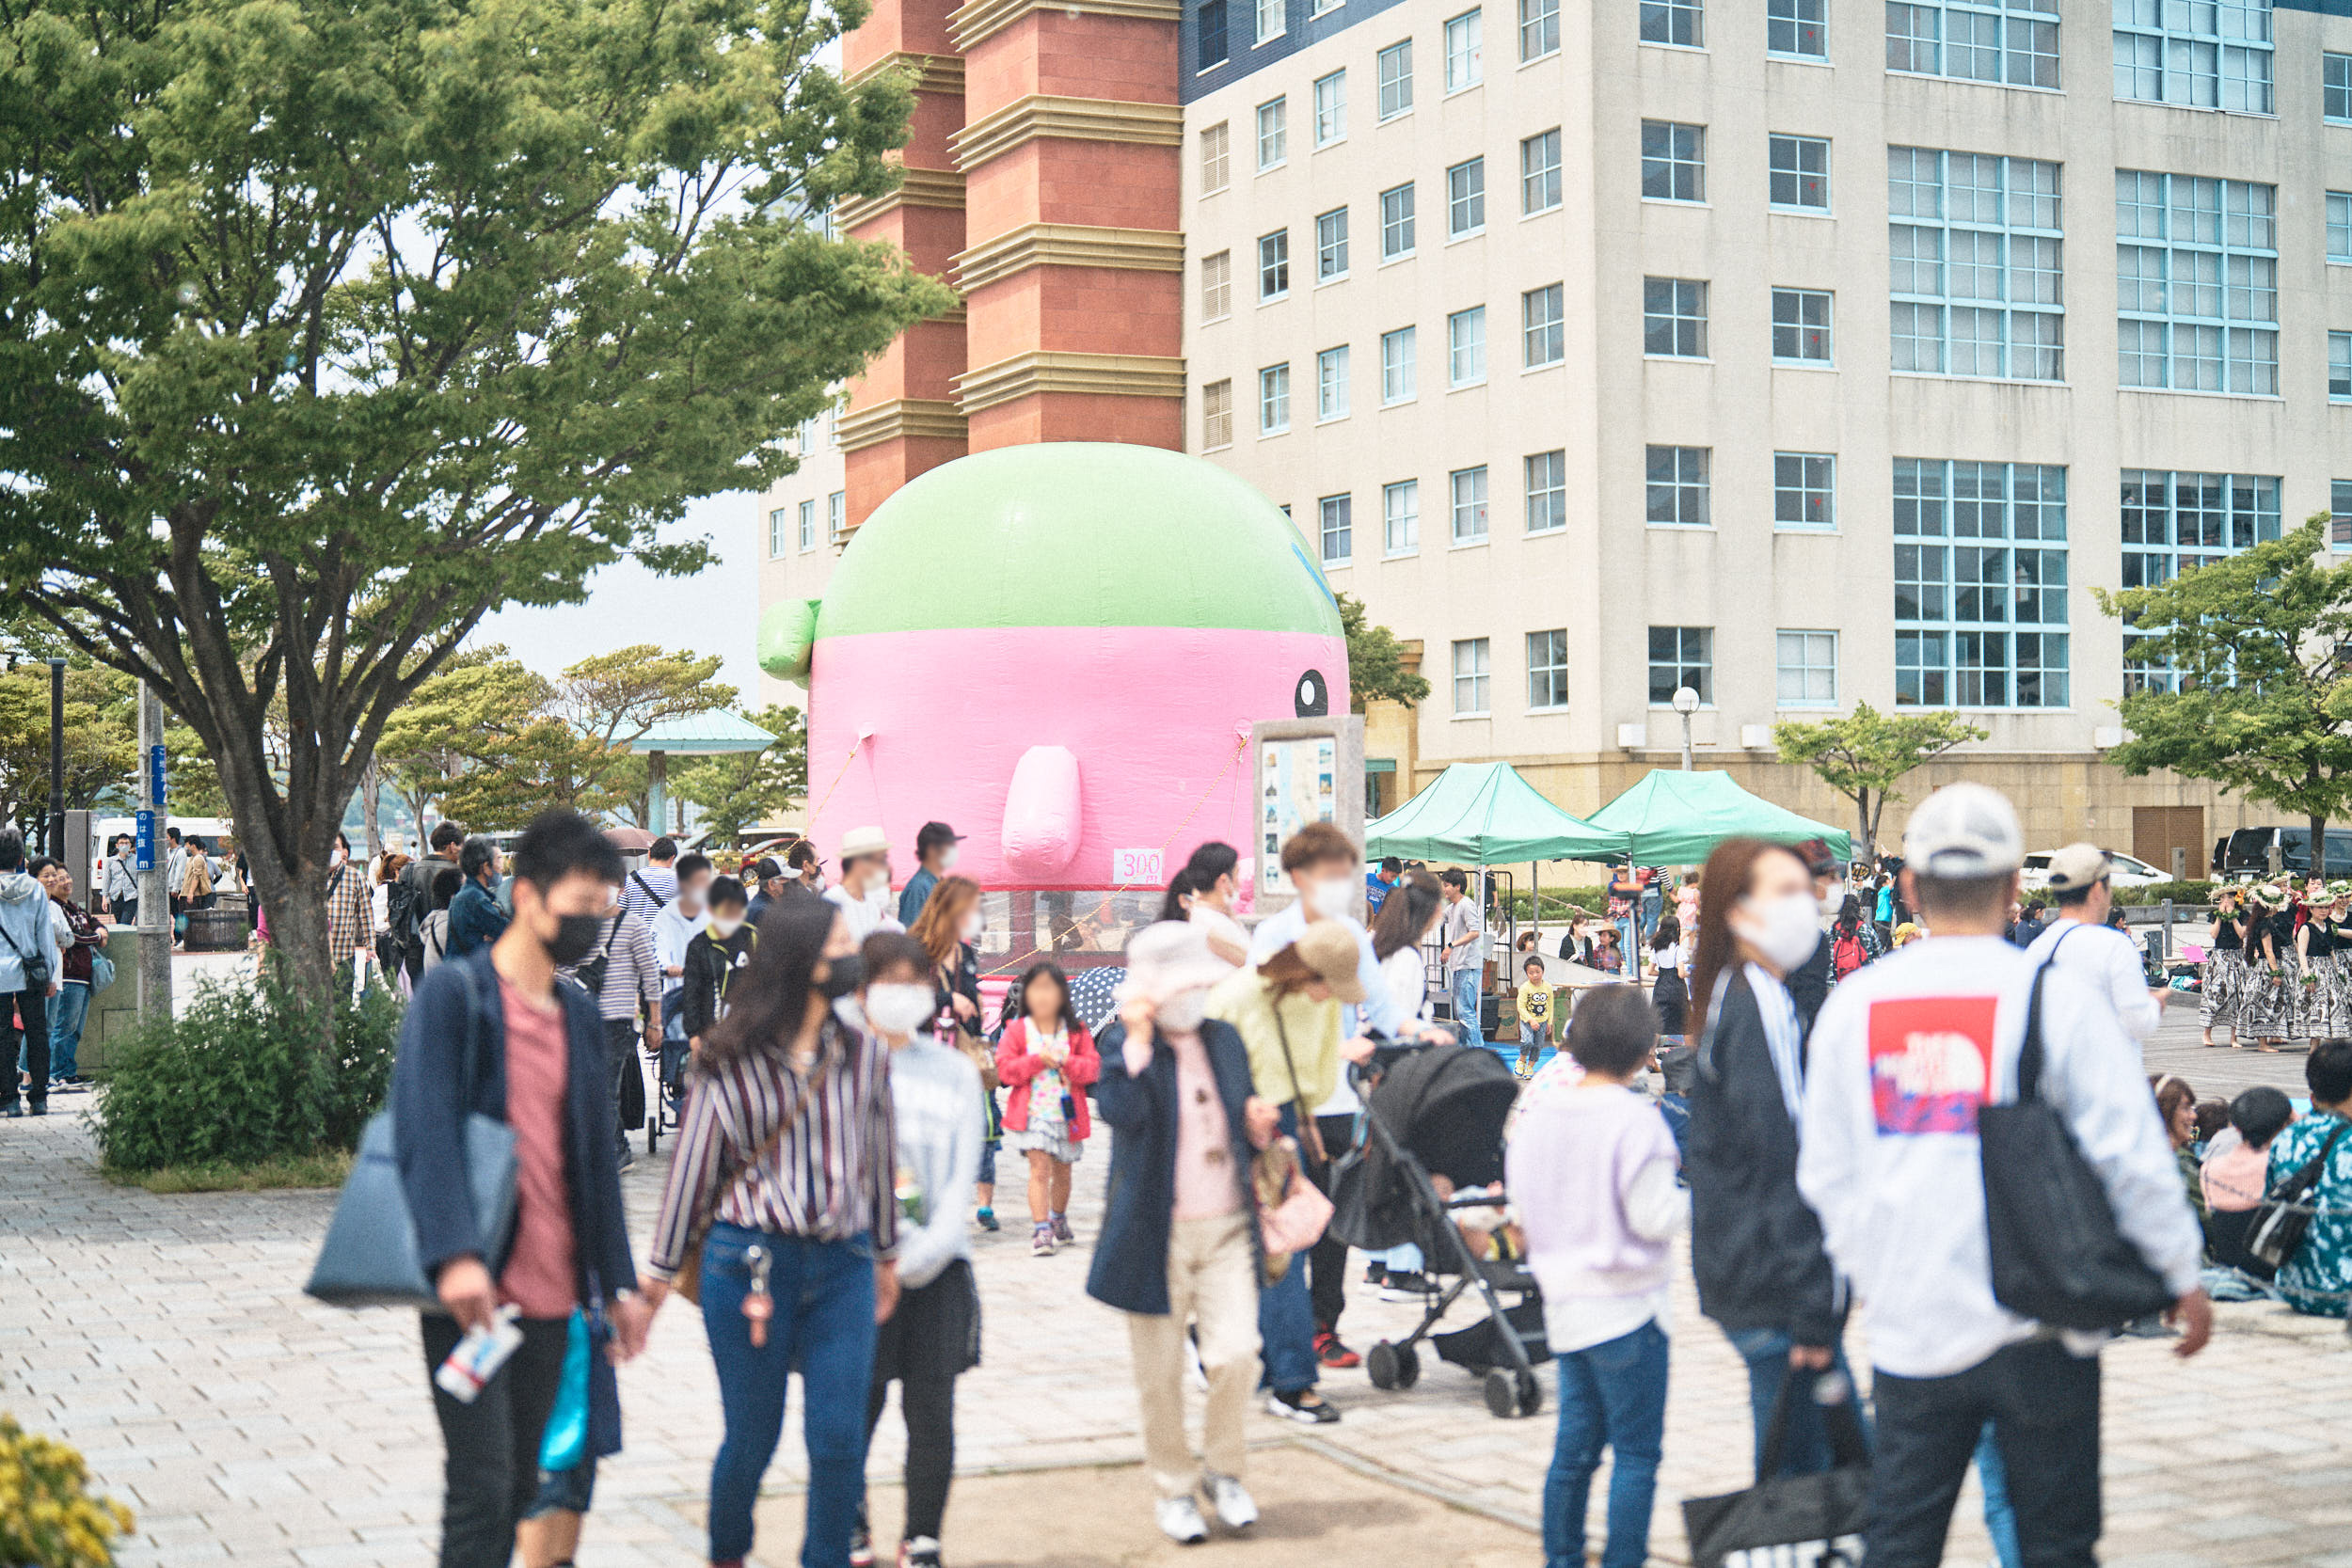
(2272, 1009)
(2223, 989)
(1050, 1138)
(2328, 1003)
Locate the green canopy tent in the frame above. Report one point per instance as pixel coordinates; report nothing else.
(1483, 813)
(1677, 819)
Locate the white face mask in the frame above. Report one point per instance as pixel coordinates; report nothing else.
(1184, 1011)
(971, 927)
(723, 930)
(342, 854)
(1786, 930)
(690, 899)
(947, 859)
(897, 1009)
(1331, 897)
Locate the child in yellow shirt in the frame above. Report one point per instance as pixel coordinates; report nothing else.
(1534, 1010)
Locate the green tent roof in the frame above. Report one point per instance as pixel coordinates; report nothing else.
(1676, 818)
(1483, 813)
(702, 735)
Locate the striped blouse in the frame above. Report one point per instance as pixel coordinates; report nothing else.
(833, 1175)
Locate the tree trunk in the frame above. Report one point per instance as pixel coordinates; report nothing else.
(2319, 847)
(371, 814)
(1865, 826)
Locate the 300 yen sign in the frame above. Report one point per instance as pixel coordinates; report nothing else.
(1130, 867)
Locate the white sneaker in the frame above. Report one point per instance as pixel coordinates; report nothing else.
(1180, 1520)
(1236, 1510)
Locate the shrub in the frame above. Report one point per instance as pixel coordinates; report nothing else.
(2156, 893)
(48, 1519)
(236, 1080)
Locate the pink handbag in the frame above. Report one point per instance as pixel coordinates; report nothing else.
(1292, 1210)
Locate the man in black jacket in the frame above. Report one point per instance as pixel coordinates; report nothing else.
(496, 1033)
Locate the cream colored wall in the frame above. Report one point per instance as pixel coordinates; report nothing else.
(797, 573)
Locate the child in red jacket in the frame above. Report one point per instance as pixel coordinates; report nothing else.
(1047, 1059)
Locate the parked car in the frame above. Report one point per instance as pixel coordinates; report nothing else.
(2129, 871)
(2245, 853)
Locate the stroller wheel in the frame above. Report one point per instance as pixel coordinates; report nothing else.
(1512, 1394)
(1391, 1366)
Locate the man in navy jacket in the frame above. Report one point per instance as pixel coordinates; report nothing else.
(497, 1032)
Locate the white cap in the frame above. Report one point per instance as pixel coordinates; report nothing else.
(1961, 831)
(2078, 865)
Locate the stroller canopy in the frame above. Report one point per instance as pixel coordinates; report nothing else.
(1448, 1105)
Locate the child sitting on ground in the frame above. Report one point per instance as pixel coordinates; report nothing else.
(1535, 1009)
(1592, 1171)
(2233, 1175)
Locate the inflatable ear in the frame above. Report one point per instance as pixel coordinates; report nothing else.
(787, 632)
(1040, 834)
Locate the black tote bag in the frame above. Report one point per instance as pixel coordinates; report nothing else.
(2059, 1257)
(1790, 1521)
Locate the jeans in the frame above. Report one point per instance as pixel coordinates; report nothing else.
(1462, 985)
(1286, 1317)
(1611, 1394)
(490, 1449)
(1766, 1352)
(2041, 1408)
(69, 1008)
(32, 1006)
(2000, 1515)
(823, 1327)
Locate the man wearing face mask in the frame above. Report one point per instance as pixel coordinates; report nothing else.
(936, 856)
(806, 865)
(863, 894)
(350, 911)
(493, 1033)
(771, 881)
(720, 952)
(1809, 982)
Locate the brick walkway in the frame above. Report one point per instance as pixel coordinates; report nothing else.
(167, 1337)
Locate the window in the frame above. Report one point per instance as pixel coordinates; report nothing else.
(1469, 676)
(775, 532)
(1546, 491)
(1400, 516)
(2339, 366)
(2012, 42)
(1331, 108)
(838, 516)
(1272, 135)
(1681, 657)
(1466, 198)
(2339, 226)
(1804, 489)
(1396, 222)
(1273, 19)
(1470, 504)
(1539, 172)
(1463, 66)
(1979, 584)
(1336, 515)
(1466, 347)
(1801, 330)
(1681, 22)
(1541, 316)
(1274, 399)
(1394, 66)
(1213, 46)
(2197, 283)
(1798, 27)
(1539, 28)
(1674, 317)
(1975, 248)
(1396, 366)
(1274, 264)
(1807, 669)
(1331, 246)
(2340, 515)
(1546, 670)
(1331, 384)
(1217, 415)
(1217, 286)
(1216, 163)
(1799, 167)
(2335, 87)
(1674, 162)
(1678, 487)
(2175, 521)
(2213, 54)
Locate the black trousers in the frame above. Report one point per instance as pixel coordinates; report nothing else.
(490, 1464)
(1327, 1261)
(2043, 1404)
(930, 1339)
(32, 1007)
(620, 1055)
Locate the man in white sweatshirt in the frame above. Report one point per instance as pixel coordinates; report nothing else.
(2081, 942)
(1902, 1056)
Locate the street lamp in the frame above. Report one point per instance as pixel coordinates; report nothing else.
(55, 837)
(1686, 703)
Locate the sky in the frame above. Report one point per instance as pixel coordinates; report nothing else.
(716, 611)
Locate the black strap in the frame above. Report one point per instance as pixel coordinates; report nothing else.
(1846, 1446)
(2299, 1185)
(2029, 1055)
(645, 887)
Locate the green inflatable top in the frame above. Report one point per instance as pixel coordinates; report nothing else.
(1076, 533)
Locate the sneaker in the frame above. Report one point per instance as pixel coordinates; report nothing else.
(1333, 1355)
(1374, 1272)
(1061, 1228)
(1042, 1240)
(1236, 1510)
(921, 1552)
(1306, 1407)
(628, 1162)
(39, 1108)
(988, 1220)
(1180, 1520)
(1413, 1286)
(862, 1548)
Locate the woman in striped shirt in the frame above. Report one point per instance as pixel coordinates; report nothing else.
(798, 1254)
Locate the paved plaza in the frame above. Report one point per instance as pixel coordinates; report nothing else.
(168, 1338)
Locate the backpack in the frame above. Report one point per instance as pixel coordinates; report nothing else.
(1847, 955)
(404, 915)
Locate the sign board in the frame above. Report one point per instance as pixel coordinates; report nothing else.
(156, 774)
(143, 843)
(1137, 868)
(1297, 784)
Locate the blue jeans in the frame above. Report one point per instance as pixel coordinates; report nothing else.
(823, 1328)
(67, 1010)
(1286, 1317)
(1766, 1352)
(1613, 1394)
(1463, 988)
(2000, 1514)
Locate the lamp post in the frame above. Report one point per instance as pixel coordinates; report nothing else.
(1686, 703)
(54, 840)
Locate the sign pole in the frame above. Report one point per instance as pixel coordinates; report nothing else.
(149, 859)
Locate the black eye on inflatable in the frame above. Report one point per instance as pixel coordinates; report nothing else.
(1312, 698)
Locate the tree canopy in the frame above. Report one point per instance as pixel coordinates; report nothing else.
(1864, 755)
(1376, 661)
(738, 789)
(101, 732)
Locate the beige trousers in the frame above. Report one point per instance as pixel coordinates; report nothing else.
(1211, 1281)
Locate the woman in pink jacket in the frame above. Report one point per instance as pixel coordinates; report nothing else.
(1047, 1059)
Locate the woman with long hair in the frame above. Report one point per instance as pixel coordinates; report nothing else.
(784, 1189)
(2269, 1013)
(1755, 1246)
(949, 931)
(1407, 917)
(1212, 874)
(2223, 983)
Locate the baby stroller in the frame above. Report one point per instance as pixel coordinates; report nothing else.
(1439, 1111)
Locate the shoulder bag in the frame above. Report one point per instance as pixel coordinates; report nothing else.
(1814, 1519)
(36, 967)
(688, 1279)
(964, 1038)
(2281, 1220)
(370, 1257)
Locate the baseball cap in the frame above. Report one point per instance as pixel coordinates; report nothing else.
(2078, 865)
(934, 833)
(1961, 831)
(766, 868)
(1330, 949)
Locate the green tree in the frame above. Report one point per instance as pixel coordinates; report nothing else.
(1864, 755)
(327, 327)
(2264, 706)
(741, 790)
(1376, 661)
(100, 736)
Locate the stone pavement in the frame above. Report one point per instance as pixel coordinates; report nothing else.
(168, 1338)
